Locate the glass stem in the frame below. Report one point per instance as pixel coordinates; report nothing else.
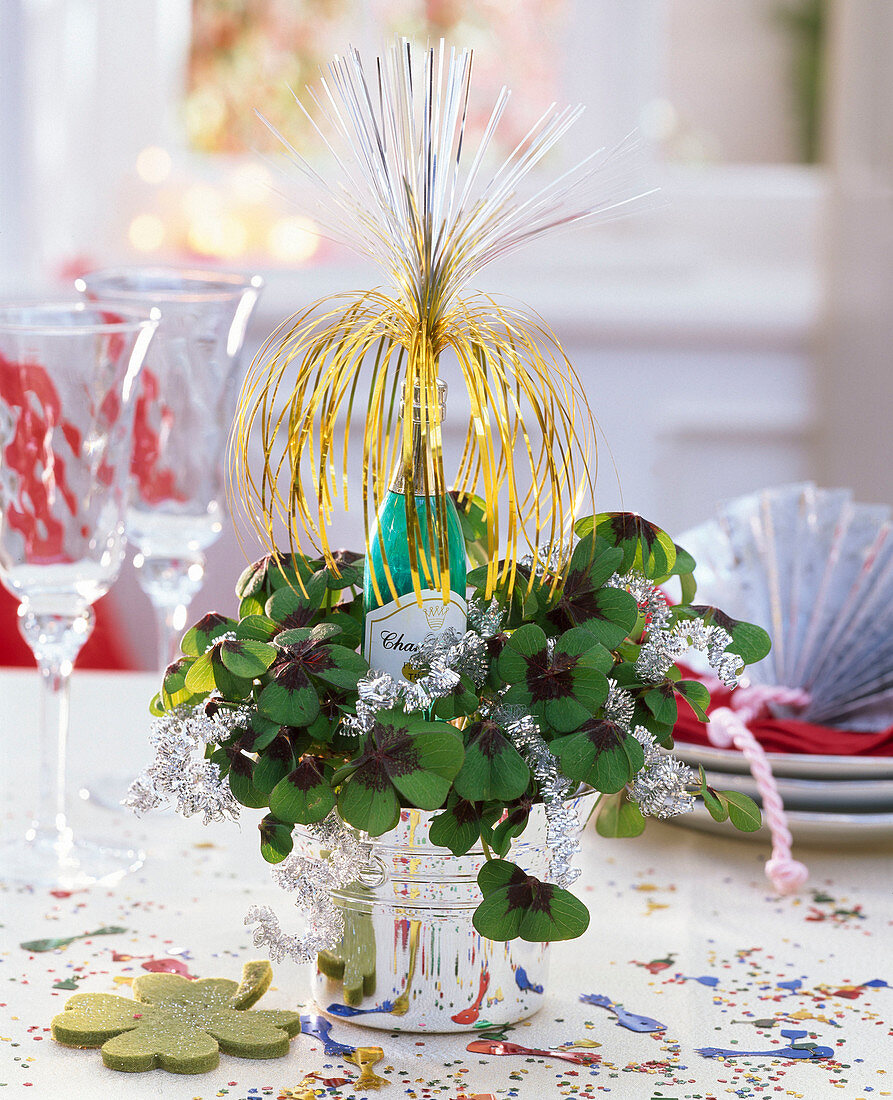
(55, 640)
(170, 623)
(171, 584)
(52, 815)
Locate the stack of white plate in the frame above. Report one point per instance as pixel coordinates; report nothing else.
(815, 568)
(829, 800)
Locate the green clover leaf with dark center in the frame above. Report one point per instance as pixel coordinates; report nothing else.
(520, 598)
(562, 685)
(460, 701)
(175, 1024)
(511, 824)
(308, 665)
(308, 578)
(644, 545)
(518, 905)
(304, 795)
(696, 695)
(601, 753)
(259, 733)
(241, 780)
(198, 638)
(174, 692)
(290, 608)
(661, 702)
(405, 758)
(275, 839)
(347, 571)
(609, 613)
(332, 708)
(459, 826)
(493, 768)
(230, 664)
(271, 572)
(275, 762)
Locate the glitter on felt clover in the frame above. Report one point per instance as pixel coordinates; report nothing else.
(177, 1024)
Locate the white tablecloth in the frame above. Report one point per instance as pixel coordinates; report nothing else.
(667, 909)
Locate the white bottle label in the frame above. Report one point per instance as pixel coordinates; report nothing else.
(395, 631)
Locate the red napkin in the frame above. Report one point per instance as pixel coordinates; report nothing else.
(786, 735)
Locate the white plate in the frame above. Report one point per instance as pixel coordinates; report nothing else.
(827, 830)
(795, 765)
(842, 795)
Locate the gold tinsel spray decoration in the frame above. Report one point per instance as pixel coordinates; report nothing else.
(402, 196)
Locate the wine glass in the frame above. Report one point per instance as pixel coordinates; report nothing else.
(184, 414)
(69, 375)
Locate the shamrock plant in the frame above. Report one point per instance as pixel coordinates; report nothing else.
(566, 680)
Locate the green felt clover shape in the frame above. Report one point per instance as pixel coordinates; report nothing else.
(177, 1024)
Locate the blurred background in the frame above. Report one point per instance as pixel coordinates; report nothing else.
(736, 335)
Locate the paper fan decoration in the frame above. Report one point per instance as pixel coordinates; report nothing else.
(815, 568)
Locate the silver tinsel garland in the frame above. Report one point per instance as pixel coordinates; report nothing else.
(562, 825)
(664, 645)
(647, 595)
(549, 558)
(179, 775)
(485, 619)
(439, 660)
(663, 648)
(661, 787)
(342, 860)
(619, 705)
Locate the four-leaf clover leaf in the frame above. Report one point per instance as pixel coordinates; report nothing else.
(492, 768)
(601, 753)
(517, 904)
(563, 682)
(228, 655)
(308, 662)
(584, 599)
(403, 756)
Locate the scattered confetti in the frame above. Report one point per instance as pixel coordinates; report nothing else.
(52, 944)
(366, 1058)
(630, 1020)
(789, 1051)
(487, 1046)
(320, 1028)
(524, 982)
(704, 979)
(656, 965)
(168, 966)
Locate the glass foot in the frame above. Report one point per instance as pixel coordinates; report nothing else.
(60, 860)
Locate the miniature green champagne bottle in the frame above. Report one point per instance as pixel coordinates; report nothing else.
(397, 619)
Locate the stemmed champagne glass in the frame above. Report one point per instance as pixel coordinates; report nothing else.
(184, 414)
(69, 376)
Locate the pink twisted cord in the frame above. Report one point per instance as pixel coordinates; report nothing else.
(728, 726)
